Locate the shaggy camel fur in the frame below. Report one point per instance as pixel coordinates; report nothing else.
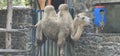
(64, 14)
(44, 26)
(57, 27)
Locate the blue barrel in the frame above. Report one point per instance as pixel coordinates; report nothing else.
(98, 17)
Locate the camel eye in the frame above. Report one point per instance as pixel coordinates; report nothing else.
(83, 18)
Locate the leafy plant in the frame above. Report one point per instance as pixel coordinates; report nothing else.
(3, 3)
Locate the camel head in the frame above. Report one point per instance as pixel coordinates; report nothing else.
(83, 19)
(78, 24)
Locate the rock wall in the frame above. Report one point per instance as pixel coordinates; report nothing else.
(98, 45)
(21, 18)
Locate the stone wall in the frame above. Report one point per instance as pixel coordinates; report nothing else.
(98, 45)
(20, 40)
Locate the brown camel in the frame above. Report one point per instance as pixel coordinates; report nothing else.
(58, 27)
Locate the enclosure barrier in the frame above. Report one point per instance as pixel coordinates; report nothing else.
(50, 48)
(12, 51)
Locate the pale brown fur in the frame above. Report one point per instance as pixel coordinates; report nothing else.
(49, 16)
(64, 15)
(66, 20)
(78, 26)
(49, 13)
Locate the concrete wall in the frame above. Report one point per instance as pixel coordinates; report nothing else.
(113, 18)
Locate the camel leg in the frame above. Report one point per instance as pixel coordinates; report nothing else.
(39, 43)
(61, 43)
(39, 38)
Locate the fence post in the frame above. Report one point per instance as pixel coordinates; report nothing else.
(9, 25)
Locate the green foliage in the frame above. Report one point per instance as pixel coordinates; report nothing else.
(3, 3)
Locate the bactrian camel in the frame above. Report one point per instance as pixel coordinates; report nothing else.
(59, 27)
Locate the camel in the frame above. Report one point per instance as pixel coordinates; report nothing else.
(59, 27)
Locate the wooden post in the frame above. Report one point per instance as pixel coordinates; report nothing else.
(9, 24)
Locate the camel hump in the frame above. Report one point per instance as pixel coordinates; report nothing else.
(48, 8)
(63, 7)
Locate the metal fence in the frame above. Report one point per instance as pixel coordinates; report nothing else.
(50, 48)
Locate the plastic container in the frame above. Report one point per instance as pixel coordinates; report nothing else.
(98, 16)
